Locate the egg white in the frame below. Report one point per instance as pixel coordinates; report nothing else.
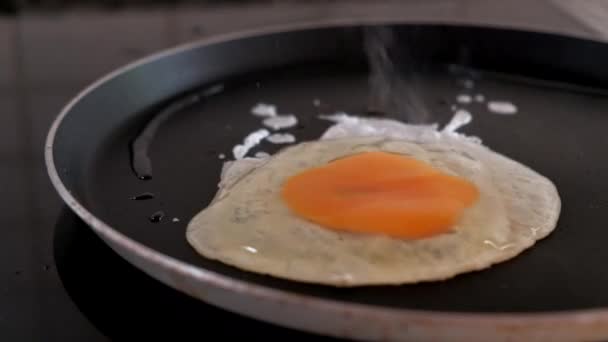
(249, 226)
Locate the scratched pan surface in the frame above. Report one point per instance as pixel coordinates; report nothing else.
(556, 289)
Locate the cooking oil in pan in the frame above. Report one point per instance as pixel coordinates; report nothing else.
(140, 159)
(157, 217)
(143, 197)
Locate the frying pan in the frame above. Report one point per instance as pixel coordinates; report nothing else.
(554, 291)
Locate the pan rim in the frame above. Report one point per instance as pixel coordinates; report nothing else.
(583, 317)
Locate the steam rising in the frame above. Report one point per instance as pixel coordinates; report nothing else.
(393, 88)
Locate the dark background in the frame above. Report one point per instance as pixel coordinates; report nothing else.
(58, 282)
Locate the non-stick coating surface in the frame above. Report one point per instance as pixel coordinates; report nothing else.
(559, 131)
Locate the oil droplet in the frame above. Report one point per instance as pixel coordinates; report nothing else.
(140, 159)
(175, 219)
(143, 197)
(157, 217)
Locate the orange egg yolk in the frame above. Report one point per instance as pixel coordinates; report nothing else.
(380, 193)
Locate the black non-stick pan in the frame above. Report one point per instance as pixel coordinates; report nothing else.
(556, 290)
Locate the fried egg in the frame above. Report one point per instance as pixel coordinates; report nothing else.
(375, 202)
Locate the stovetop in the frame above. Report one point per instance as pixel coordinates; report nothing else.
(59, 282)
